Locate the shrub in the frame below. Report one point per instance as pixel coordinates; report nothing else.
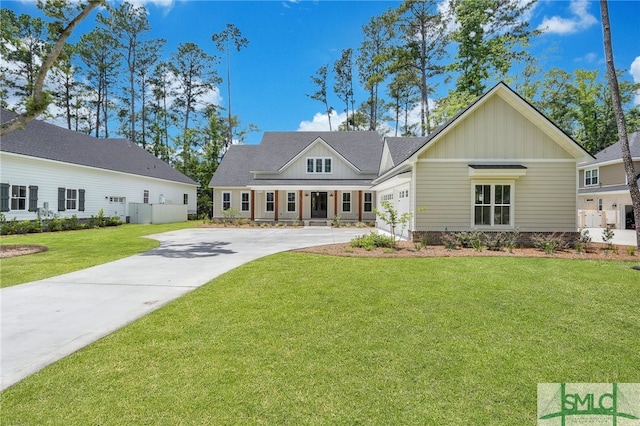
(511, 239)
(631, 251)
(230, 214)
(337, 221)
(549, 243)
(373, 239)
(584, 240)
(495, 241)
(450, 240)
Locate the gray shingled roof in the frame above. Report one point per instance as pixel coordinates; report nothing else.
(401, 148)
(234, 169)
(614, 152)
(362, 149)
(47, 141)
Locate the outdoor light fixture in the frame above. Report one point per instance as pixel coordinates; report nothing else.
(317, 194)
(614, 205)
(306, 194)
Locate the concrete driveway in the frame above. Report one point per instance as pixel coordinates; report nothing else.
(44, 321)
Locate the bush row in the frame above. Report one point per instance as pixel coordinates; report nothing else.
(55, 224)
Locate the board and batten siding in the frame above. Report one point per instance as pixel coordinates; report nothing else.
(99, 186)
(495, 130)
(298, 169)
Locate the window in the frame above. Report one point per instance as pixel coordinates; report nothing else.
(72, 199)
(245, 201)
(291, 202)
(185, 198)
(368, 202)
(18, 197)
(591, 177)
(346, 201)
(319, 165)
(226, 200)
(145, 196)
(599, 204)
(492, 205)
(270, 206)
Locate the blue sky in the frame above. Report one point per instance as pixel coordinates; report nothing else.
(290, 40)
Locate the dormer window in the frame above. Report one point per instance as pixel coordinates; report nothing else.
(591, 177)
(318, 165)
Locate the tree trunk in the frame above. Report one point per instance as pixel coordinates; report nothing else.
(630, 171)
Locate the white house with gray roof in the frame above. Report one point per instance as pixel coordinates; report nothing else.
(51, 171)
(603, 194)
(300, 176)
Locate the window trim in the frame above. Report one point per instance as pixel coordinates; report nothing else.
(367, 206)
(492, 204)
(71, 203)
(145, 196)
(267, 202)
(591, 177)
(326, 163)
(223, 202)
(242, 201)
(22, 189)
(292, 202)
(348, 201)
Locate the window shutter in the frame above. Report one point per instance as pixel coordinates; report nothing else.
(62, 194)
(4, 197)
(81, 200)
(33, 198)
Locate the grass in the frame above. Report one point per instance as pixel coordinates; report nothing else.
(325, 340)
(74, 250)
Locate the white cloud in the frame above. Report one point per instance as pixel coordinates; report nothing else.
(634, 70)
(580, 19)
(320, 122)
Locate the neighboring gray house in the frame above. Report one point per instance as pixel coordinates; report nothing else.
(300, 176)
(48, 170)
(603, 195)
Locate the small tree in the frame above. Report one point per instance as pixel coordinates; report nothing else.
(391, 217)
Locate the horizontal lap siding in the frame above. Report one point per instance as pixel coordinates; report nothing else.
(236, 202)
(98, 185)
(546, 198)
(443, 192)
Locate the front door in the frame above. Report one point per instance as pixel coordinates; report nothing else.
(319, 205)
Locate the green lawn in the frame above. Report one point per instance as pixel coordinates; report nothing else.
(305, 339)
(75, 250)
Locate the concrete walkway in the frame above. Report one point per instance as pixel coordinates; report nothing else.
(623, 237)
(44, 321)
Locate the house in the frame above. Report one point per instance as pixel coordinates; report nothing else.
(300, 176)
(498, 165)
(603, 195)
(50, 171)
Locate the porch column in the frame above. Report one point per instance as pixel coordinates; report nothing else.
(300, 205)
(253, 205)
(275, 207)
(359, 206)
(335, 203)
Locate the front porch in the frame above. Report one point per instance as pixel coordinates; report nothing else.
(312, 205)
